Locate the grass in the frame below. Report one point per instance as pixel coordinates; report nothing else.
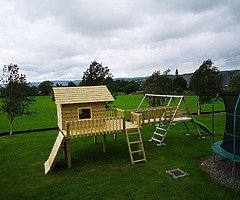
(44, 111)
(96, 175)
(44, 115)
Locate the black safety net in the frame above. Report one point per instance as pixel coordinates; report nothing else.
(230, 102)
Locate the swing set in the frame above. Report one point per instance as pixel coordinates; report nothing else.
(180, 113)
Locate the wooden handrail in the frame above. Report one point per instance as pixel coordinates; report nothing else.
(92, 127)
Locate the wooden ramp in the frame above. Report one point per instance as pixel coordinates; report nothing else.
(48, 165)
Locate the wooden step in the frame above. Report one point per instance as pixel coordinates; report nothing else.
(141, 160)
(159, 128)
(137, 151)
(159, 134)
(154, 139)
(135, 142)
(132, 133)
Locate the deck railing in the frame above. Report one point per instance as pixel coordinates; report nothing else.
(93, 127)
(115, 112)
(135, 118)
(115, 121)
(155, 114)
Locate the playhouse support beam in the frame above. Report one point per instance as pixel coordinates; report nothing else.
(67, 151)
(95, 139)
(104, 143)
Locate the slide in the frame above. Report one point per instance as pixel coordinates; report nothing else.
(48, 165)
(203, 127)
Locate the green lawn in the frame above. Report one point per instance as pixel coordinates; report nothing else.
(44, 111)
(44, 115)
(96, 175)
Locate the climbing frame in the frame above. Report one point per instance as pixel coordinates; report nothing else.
(180, 113)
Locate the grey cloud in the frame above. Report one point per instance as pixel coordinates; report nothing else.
(58, 39)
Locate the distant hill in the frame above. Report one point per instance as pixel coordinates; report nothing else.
(63, 83)
(139, 80)
(226, 76)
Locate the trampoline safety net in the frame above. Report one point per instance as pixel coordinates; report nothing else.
(231, 101)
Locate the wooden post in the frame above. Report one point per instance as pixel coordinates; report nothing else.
(124, 122)
(68, 153)
(104, 143)
(95, 139)
(67, 147)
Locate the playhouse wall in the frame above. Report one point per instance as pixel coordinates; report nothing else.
(69, 112)
(59, 115)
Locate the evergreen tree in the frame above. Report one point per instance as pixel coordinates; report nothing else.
(45, 87)
(234, 84)
(158, 83)
(96, 74)
(206, 83)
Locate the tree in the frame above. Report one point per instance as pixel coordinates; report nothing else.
(158, 84)
(45, 87)
(179, 83)
(1, 91)
(32, 90)
(206, 83)
(96, 74)
(119, 85)
(176, 73)
(131, 87)
(15, 94)
(234, 84)
(71, 84)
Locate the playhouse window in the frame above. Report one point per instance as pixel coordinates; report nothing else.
(84, 113)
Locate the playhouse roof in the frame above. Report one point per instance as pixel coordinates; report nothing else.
(84, 94)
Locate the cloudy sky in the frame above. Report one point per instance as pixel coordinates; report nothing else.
(57, 39)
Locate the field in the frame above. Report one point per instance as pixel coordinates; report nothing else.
(44, 115)
(44, 112)
(96, 175)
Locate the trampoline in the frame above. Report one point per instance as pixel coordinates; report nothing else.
(229, 146)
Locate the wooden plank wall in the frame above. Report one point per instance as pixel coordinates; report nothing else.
(70, 111)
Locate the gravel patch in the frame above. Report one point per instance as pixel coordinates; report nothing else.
(221, 171)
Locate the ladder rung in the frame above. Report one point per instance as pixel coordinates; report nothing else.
(136, 161)
(137, 151)
(132, 133)
(162, 129)
(159, 134)
(135, 142)
(156, 140)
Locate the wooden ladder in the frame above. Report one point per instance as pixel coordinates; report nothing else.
(159, 135)
(135, 146)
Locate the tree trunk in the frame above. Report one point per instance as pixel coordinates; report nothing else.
(11, 127)
(199, 108)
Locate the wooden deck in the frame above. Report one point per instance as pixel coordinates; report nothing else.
(95, 128)
(116, 122)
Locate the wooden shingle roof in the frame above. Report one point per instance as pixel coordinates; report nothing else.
(84, 94)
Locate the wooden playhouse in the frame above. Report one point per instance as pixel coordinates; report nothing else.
(80, 103)
(82, 112)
